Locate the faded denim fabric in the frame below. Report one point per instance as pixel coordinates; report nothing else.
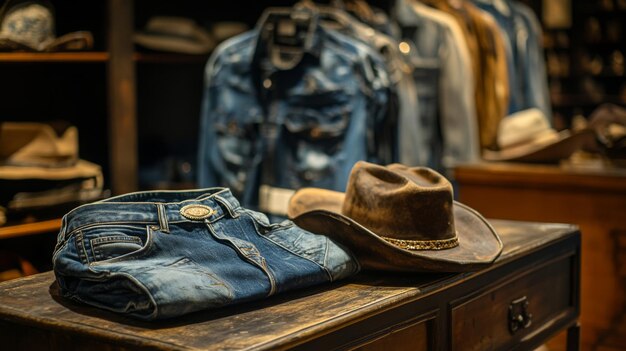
(402, 129)
(527, 72)
(289, 125)
(143, 255)
(536, 91)
(445, 86)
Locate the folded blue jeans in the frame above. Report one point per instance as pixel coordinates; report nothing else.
(156, 255)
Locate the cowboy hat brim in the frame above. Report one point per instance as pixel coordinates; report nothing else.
(547, 150)
(75, 41)
(197, 43)
(319, 211)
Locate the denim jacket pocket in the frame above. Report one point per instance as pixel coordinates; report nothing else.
(315, 124)
(317, 140)
(236, 135)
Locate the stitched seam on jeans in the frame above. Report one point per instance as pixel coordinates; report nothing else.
(232, 211)
(114, 239)
(122, 223)
(80, 247)
(326, 259)
(263, 264)
(226, 241)
(57, 251)
(134, 254)
(131, 278)
(98, 203)
(291, 251)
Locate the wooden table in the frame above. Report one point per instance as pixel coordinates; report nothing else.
(484, 310)
(595, 200)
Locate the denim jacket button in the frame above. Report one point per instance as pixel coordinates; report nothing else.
(232, 127)
(316, 132)
(308, 175)
(267, 83)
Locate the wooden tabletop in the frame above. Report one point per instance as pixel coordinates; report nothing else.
(564, 176)
(278, 322)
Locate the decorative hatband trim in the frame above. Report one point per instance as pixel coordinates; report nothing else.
(423, 244)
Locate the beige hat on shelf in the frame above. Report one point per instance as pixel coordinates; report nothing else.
(38, 144)
(399, 218)
(175, 34)
(526, 136)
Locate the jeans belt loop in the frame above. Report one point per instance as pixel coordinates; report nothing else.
(163, 224)
(228, 207)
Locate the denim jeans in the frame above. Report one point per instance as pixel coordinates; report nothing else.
(155, 255)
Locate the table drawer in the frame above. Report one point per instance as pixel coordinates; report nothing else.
(415, 337)
(534, 299)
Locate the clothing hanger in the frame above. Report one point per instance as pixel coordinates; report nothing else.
(288, 33)
(332, 15)
(359, 8)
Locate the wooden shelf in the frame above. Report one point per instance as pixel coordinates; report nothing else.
(584, 100)
(27, 229)
(594, 9)
(577, 76)
(142, 57)
(87, 56)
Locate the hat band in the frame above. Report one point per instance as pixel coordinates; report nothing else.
(423, 244)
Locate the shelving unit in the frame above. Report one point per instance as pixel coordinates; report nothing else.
(132, 107)
(24, 57)
(27, 229)
(583, 101)
(595, 34)
(112, 91)
(165, 58)
(70, 86)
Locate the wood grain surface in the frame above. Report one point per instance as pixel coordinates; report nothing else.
(593, 199)
(280, 322)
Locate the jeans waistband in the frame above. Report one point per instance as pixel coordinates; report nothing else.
(153, 207)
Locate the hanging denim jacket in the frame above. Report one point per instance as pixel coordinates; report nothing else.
(400, 137)
(289, 118)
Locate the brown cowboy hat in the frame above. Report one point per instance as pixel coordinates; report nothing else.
(399, 218)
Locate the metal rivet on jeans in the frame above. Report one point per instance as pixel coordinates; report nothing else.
(196, 212)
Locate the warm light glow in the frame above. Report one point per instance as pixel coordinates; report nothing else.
(404, 47)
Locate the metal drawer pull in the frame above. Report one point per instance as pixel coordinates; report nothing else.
(519, 318)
